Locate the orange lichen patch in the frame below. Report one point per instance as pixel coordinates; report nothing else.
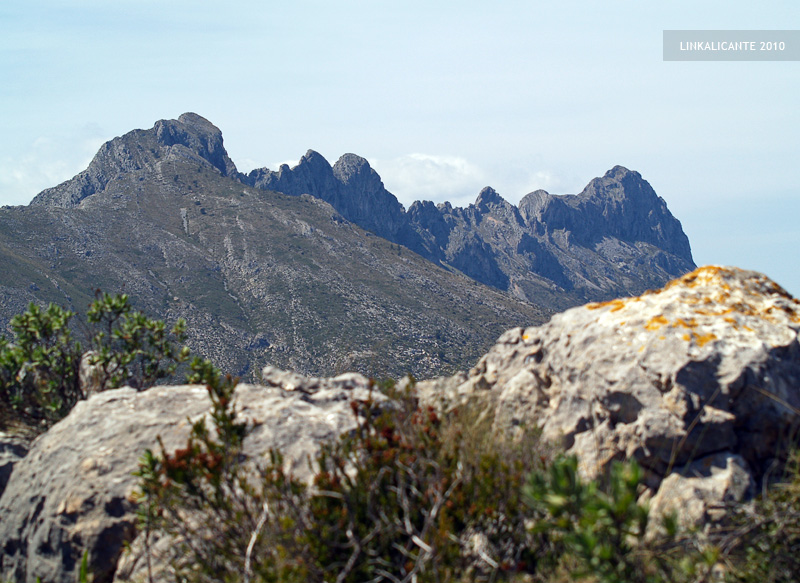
(703, 312)
(705, 338)
(701, 275)
(662, 337)
(691, 323)
(616, 305)
(656, 322)
(730, 320)
(687, 337)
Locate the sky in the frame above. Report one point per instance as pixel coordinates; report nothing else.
(442, 98)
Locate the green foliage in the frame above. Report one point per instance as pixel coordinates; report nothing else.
(602, 530)
(40, 366)
(130, 348)
(39, 369)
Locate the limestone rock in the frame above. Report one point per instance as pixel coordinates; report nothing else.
(706, 369)
(73, 491)
(703, 491)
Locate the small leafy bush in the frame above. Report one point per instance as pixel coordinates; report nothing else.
(130, 348)
(40, 366)
(601, 531)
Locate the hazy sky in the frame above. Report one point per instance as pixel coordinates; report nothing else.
(441, 97)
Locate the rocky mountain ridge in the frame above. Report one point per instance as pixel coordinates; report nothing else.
(302, 281)
(261, 277)
(616, 237)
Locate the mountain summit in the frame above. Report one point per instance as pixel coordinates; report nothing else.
(303, 281)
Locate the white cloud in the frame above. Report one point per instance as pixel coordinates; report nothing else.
(431, 177)
(48, 161)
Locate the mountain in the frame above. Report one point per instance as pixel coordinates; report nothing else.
(319, 268)
(615, 238)
(260, 276)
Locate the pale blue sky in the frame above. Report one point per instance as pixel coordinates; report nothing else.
(442, 98)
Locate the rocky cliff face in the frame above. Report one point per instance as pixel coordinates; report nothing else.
(190, 137)
(351, 186)
(617, 237)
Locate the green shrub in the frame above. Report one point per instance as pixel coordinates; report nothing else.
(40, 365)
(39, 368)
(601, 529)
(130, 348)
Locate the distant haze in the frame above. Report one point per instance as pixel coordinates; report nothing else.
(443, 98)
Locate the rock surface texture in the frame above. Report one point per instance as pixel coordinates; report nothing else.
(73, 491)
(700, 382)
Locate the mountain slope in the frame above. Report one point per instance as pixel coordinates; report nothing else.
(261, 277)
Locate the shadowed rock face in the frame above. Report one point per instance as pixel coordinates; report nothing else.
(351, 186)
(698, 380)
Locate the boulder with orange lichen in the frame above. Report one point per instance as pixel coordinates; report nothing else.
(704, 373)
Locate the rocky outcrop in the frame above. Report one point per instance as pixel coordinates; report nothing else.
(351, 186)
(74, 490)
(189, 137)
(699, 382)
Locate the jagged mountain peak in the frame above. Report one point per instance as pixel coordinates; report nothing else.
(618, 172)
(620, 184)
(190, 136)
(314, 158)
(349, 166)
(489, 196)
(190, 118)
